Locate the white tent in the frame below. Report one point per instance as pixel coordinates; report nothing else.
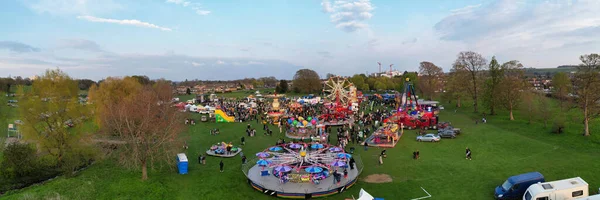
(193, 108)
(187, 107)
(363, 195)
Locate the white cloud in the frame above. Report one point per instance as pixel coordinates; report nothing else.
(220, 62)
(132, 22)
(255, 63)
(536, 33)
(195, 64)
(349, 15)
(81, 44)
(179, 2)
(73, 7)
(195, 6)
(202, 12)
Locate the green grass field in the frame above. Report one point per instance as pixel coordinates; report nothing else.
(501, 148)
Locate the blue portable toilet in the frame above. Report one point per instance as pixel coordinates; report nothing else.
(182, 163)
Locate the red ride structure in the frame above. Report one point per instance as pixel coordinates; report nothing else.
(409, 114)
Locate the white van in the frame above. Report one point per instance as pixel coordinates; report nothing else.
(594, 197)
(566, 189)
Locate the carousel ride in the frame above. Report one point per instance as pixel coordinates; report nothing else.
(306, 128)
(302, 170)
(338, 108)
(225, 150)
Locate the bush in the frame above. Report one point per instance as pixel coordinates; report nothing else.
(559, 126)
(19, 160)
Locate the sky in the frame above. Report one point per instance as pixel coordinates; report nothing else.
(234, 39)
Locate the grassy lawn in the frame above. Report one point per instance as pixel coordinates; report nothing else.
(501, 148)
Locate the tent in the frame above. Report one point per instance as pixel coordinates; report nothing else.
(363, 195)
(187, 107)
(193, 108)
(180, 105)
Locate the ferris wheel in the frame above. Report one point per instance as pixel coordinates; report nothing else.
(337, 88)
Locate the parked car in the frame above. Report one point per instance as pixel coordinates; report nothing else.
(430, 137)
(515, 186)
(447, 133)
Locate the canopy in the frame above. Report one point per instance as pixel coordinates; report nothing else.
(338, 163)
(283, 168)
(295, 146)
(262, 154)
(363, 195)
(316, 146)
(313, 169)
(262, 162)
(335, 149)
(275, 149)
(344, 155)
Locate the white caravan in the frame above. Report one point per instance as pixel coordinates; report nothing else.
(566, 189)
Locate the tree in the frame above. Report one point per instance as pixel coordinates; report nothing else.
(144, 119)
(587, 85)
(85, 84)
(188, 91)
(430, 79)
(283, 87)
(379, 86)
(144, 80)
(544, 109)
(52, 113)
(364, 87)
(511, 86)
(358, 81)
(307, 81)
(492, 84)
(561, 86)
(269, 82)
(528, 98)
(456, 87)
(473, 63)
(329, 75)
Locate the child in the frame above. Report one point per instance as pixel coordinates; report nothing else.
(345, 173)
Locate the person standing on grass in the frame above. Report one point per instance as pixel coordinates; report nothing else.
(468, 153)
(352, 161)
(380, 160)
(243, 140)
(366, 145)
(199, 158)
(221, 165)
(243, 160)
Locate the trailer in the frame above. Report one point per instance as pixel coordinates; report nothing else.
(566, 189)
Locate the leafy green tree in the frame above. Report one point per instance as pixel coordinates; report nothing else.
(358, 81)
(188, 91)
(282, 87)
(379, 86)
(49, 110)
(587, 85)
(307, 81)
(561, 84)
(492, 84)
(472, 63)
(512, 86)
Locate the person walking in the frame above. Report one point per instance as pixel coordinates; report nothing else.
(221, 165)
(380, 160)
(199, 158)
(243, 140)
(366, 145)
(468, 153)
(352, 161)
(243, 160)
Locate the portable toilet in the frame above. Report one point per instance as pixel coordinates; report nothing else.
(182, 163)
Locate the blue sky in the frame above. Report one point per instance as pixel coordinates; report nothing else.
(222, 39)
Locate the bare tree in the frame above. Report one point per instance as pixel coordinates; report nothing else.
(511, 85)
(587, 85)
(147, 123)
(430, 79)
(562, 85)
(474, 64)
(544, 109)
(455, 87)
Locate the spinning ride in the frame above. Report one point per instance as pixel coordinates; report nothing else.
(225, 150)
(302, 170)
(409, 114)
